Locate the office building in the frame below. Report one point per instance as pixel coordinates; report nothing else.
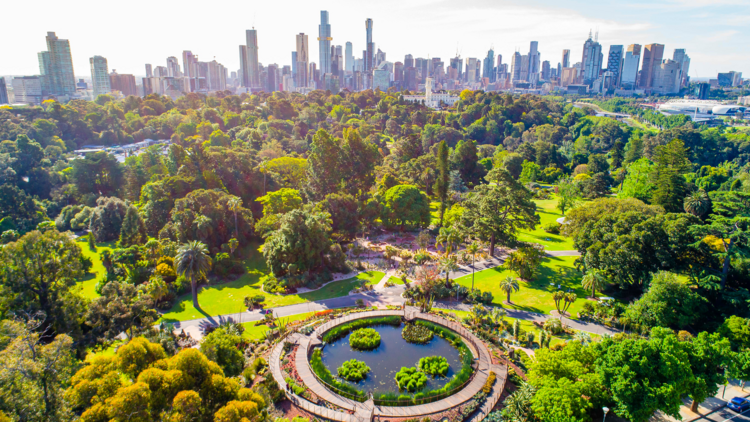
(161, 72)
(244, 75)
(408, 60)
(173, 67)
(411, 78)
(324, 43)
(56, 67)
(630, 66)
(370, 46)
(99, 75)
(123, 83)
(515, 67)
(591, 60)
(545, 70)
(272, 78)
(3, 92)
(27, 90)
(472, 65)
(566, 58)
(488, 68)
(681, 57)
(534, 58)
(666, 79)
(149, 72)
(615, 62)
(398, 71)
(380, 79)
(652, 57)
(349, 51)
(702, 90)
(302, 76)
(253, 70)
(569, 76)
(730, 79)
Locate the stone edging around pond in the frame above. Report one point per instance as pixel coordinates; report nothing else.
(367, 410)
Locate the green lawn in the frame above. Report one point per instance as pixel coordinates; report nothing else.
(396, 280)
(253, 332)
(548, 213)
(535, 296)
(87, 285)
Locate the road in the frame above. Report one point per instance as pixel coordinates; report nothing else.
(725, 414)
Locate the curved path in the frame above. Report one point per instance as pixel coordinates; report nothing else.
(366, 411)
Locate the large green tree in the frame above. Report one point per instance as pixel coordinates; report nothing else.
(668, 302)
(324, 166)
(300, 244)
(495, 212)
(406, 205)
(443, 180)
(121, 308)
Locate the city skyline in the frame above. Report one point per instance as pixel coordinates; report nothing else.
(277, 41)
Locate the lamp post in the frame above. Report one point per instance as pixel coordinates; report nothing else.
(606, 410)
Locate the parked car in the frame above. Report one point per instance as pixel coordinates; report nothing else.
(739, 405)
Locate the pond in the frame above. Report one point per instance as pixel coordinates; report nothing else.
(393, 353)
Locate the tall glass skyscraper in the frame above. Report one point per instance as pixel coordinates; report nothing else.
(56, 67)
(370, 52)
(253, 69)
(630, 66)
(99, 75)
(324, 43)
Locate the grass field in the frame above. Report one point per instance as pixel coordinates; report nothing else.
(87, 285)
(548, 213)
(228, 298)
(535, 296)
(253, 332)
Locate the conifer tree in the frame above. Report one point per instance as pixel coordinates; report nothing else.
(133, 231)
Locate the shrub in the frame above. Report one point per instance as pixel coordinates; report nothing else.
(364, 339)
(316, 363)
(434, 365)
(410, 379)
(553, 228)
(416, 333)
(360, 302)
(488, 384)
(553, 325)
(353, 370)
(253, 301)
(298, 389)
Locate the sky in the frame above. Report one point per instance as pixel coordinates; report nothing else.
(130, 34)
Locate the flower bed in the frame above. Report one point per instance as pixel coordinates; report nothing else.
(364, 339)
(414, 333)
(410, 379)
(353, 370)
(434, 365)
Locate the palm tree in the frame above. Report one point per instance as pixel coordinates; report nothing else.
(593, 280)
(447, 237)
(202, 224)
(472, 249)
(234, 205)
(153, 247)
(697, 203)
(192, 262)
(497, 315)
(509, 285)
(157, 288)
(448, 263)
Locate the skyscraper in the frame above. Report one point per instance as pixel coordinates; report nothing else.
(591, 60)
(370, 51)
(149, 72)
(173, 67)
(244, 75)
(545, 70)
(56, 67)
(349, 57)
(324, 43)
(123, 83)
(303, 60)
(253, 71)
(488, 70)
(630, 66)
(681, 57)
(566, 58)
(408, 60)
(652, 55)
(615, 62)
(3, 92)
(534, 62)
(99, 75)
(515, 67)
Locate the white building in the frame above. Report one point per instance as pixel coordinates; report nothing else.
(27, 90)
(432, 99)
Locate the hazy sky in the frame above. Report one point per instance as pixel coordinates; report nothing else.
(130, 34)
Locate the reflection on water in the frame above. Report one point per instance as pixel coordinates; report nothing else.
(393, 353)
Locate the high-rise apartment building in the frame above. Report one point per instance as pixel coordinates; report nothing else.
(515, 67)
(149, 72)
(370, 46)
(545, 70)
(56, 67)
(488, 67)
(173, 67)
(534, 58)
(666, 79)
(123, 83)
(253, 70)
(652, 57)
(3, 92)
(349, 57)
(324, 43)
(244, 73)
(681, 57)
(302, 77)
(630, 66)
(472, 65)
(99, 75)
(566, 58)
(591, 60)
(27, 90)
(615, 62)
(408, 60)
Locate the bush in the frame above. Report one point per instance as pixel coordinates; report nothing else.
(434, 365)
(553, 325)
(488, 384)
(410, 379)
(364, 339)
(298, 389)
(253, 301)
(416, 333)
(353, 370)
(553, 228)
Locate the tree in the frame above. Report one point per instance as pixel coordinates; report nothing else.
(593, 280)
(120, 308)
(531, 172)
(235, 205)
(448, 237)
(697, 203)
(509, 285)
(513, 163)
(472, 249)
(288, 172)
(568, 195)
(465, 160)
(563, 301)
(324, 166)
(300, 244)
(671, 162)
(358, 158)
(35, 371)
(525, 261)
(730, 222)
(644, 376)
(276, 204)
(707, 353)
(133, 231)
(345, 214)
(497, 211)
(193, 262)
(221, 347)
(668, 302)
(442, 183)
(39, 272)
(638, 183)
(448, 264)
(99, 173)
(106, 219)
(405, 205)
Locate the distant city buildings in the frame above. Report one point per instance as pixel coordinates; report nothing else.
(56, 68)
(100, 79)
(122, 82)
(3, 92)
